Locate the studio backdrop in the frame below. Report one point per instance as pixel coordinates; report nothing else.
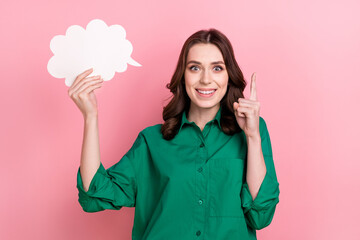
(306, 55)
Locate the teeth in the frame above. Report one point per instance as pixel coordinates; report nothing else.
(206, 92)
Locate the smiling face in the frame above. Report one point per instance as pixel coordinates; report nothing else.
(206, 77)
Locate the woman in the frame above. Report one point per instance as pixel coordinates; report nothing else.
(207, 172)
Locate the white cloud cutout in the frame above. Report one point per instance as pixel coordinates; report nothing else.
(100, 47)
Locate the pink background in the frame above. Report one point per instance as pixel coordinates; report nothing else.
(306, 55)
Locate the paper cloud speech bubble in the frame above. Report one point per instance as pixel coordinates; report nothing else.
(100, 47)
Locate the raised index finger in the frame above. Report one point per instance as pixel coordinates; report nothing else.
(253, 94)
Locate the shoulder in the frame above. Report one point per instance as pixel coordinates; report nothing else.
(153, 131)
(262, 122)
(263, 127)
(146, 136)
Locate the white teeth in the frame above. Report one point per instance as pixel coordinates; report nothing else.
(206, 92)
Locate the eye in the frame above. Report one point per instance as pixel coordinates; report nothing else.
(218, 68)
(194, 67)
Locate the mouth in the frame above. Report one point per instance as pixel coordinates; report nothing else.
(203, 92)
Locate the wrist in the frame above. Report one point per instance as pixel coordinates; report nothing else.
(90, 117)
(254, 138)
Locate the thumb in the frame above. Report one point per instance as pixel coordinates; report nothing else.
(235, 105)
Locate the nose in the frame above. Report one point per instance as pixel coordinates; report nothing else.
(205, 77)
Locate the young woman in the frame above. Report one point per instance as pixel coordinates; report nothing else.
(207, 172)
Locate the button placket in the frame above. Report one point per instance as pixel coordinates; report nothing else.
(201, 185)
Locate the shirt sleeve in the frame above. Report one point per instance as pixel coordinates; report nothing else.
(260, 211)
(115, 187)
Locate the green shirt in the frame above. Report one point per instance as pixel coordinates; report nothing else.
(191, 187)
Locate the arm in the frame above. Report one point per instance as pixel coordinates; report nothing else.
(100, 189)
(115, 187)
(256, 168)
(259, 202)
(90, 153)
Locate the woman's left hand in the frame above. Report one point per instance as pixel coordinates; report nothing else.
(247, 111)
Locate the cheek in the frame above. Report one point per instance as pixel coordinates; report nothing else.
(189, 80)
(188, 86)
(188, 90)
(223, 81)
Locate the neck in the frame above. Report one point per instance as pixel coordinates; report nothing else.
(201, 116)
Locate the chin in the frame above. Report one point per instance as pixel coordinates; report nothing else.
(205, 105)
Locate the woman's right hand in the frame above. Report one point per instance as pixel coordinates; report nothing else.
(81, 92)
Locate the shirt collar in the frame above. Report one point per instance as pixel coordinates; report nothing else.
(185, 120)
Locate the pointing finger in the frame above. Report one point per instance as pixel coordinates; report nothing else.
(253, 93)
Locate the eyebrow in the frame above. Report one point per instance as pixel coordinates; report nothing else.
(196, 62)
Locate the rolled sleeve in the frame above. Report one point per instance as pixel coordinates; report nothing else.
(259, 212)
(112, 188)
(109, 189)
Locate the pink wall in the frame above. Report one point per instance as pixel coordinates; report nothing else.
(306, 56)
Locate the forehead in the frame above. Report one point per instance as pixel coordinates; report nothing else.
(204, 53)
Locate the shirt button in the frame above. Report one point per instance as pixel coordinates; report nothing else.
(198, 233)
(202, 145)
(200, 169)
(200, 201)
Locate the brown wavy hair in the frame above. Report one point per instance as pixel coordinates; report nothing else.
(180, 101)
